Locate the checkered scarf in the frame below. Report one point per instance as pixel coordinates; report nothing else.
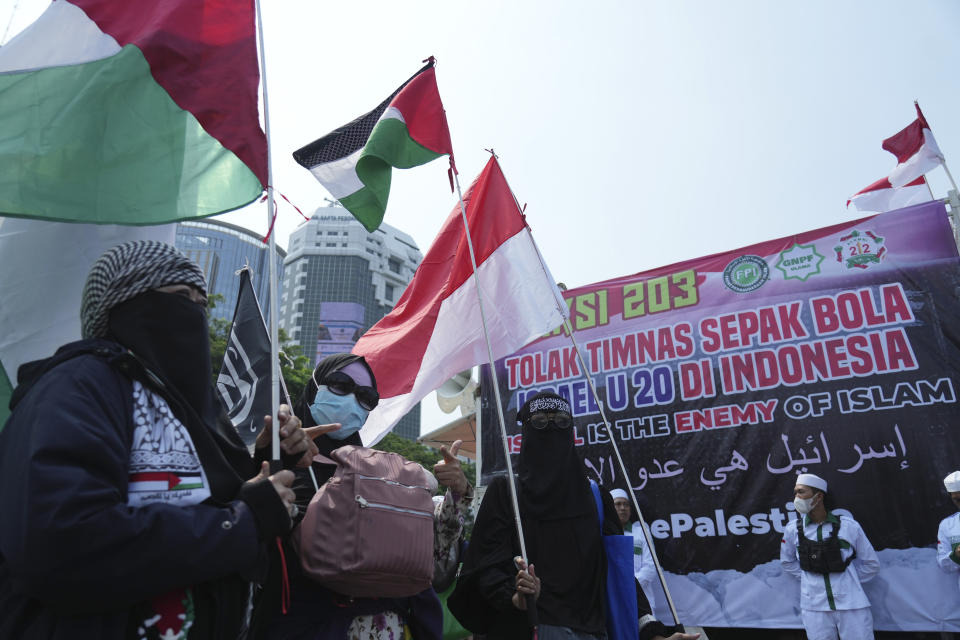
(126, 271)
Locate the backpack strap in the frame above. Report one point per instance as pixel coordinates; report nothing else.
(835, 534)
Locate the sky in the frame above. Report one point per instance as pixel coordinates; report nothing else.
(639, 134)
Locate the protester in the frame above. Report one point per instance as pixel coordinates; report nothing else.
(644, 569)
(832, 557)
(318, 613)
(948, 534)
(130, 506)
(563, 540)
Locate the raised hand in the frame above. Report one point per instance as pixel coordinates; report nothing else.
(293, 437)
(448, 471)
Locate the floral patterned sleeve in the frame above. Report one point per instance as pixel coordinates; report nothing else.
(448, 517)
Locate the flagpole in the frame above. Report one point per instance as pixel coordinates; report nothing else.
(564, 313)
(272, 255)
(954, 201)
(531, 609)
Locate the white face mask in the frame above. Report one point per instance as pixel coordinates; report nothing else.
(803, 505)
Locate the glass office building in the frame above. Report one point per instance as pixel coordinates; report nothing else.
(221, 249)
(339, 280)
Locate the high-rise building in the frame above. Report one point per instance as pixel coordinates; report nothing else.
(221, 249)
(339, 279)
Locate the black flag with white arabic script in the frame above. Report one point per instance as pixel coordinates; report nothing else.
(244, 380)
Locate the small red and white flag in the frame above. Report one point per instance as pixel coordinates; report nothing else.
(882, 196)
(435, 331)
(917, 153)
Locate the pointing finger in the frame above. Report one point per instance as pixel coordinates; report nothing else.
(320, 429)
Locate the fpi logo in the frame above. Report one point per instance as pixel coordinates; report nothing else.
(860, 249)
(746, 273)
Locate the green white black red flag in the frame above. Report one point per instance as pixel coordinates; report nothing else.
(354, 162)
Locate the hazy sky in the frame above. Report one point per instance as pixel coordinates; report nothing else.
(639, 133)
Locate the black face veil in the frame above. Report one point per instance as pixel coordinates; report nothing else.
(560, 525)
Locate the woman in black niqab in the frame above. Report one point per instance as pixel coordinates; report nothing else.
(563, 540)
(562, 532)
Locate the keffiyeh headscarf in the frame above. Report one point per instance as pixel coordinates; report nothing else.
(126, 271)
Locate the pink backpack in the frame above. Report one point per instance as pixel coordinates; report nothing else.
(368, 531)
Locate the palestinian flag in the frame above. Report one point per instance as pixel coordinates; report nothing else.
(131, 112)
(354, 161)
(165, 481)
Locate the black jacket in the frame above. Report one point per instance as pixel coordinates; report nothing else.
(481, 600)
(75, 559)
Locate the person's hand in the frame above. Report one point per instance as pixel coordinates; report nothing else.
(293, 438)
(679, 636)
(448, 471)
(527, 584)
(281, 481)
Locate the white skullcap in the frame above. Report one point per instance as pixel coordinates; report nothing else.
(620, 493)
(811, 480)
(952, 482)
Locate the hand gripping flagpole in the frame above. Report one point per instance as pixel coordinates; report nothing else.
(562, 308)
(272, 259)
(531, 607)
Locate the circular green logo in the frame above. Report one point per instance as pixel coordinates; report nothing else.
(746, 273)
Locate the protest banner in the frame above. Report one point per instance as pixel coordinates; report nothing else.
(834, 352)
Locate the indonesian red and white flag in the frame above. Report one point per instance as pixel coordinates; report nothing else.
(917, 153)
(882, 196)
(435, 331)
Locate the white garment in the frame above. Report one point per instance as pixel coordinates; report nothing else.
(948, 538)
(836, 591)
(850, 624)
(643, 568)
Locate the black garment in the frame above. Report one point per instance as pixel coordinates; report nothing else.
(75, 560)
(563, 542)
(169, 333)
(560, 523)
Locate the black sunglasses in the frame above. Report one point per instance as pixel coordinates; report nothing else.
(559, 419)
(341, 384)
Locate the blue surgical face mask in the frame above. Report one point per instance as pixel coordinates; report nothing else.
(328, 407)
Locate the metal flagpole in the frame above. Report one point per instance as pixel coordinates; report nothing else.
(623, 469)
(531, 610)
(953, 199)
(564, 313)
(272, 257)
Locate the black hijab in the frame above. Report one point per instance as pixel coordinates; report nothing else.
(552, 483)
(168, 334)
(562, 531)
(324, 443)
